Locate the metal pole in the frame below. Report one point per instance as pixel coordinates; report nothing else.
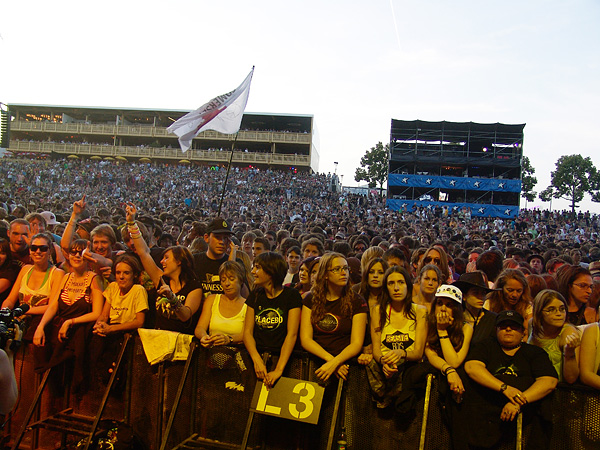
(227, 174)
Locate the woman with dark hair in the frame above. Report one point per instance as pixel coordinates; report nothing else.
(550, 331)
(308, 271)
(398, 332)
(334, 318)
(223, 315)
(575, 284)
(371, 285)
(180, 295)
(9, 269)
(272, 317)
(429, 279)
(437, 256)
(512, 293)
(474, 288)
(70, 316)
(36, 283)
(448, 336)
(536, 284)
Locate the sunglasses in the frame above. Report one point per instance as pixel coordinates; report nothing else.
(75, 252)
(43, 248)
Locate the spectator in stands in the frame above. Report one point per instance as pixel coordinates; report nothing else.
(334, 319)
(247, 241)
(448, 336)
(180, 295)
(550, 331)
(65, 328)
(398, 333)
(512, 293)
(36, 283)
(207, 264)
(272, 318)
(223, 315)
(575, 284)
(536, 262)
(429, 279)
(490, 262)
(509, 376)
(536, 284)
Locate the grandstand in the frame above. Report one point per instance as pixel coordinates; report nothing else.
(457, 165)
(282, 141)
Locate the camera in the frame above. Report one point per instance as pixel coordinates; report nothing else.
(10, 325)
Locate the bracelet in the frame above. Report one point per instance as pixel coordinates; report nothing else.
(448, 372)
(448, 369)
(177, 305)
(131, 223)
(230, 339)
(134, 231)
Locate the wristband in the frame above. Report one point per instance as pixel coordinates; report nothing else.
(444, 337)
(503, 387)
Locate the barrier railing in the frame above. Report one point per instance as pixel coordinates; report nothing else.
(213, 406)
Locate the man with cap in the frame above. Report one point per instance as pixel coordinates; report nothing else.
(509, 376)
(474, 288)
(207, 263)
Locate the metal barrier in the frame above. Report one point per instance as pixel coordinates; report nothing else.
(213, 408)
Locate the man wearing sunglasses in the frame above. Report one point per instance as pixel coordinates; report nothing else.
(18, 235)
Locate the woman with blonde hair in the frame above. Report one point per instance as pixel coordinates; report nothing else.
(513, 294)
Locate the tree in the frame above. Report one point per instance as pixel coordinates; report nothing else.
(574, 177)
(528, 181)
(374, 166)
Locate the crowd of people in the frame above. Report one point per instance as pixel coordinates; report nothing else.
(503, 310)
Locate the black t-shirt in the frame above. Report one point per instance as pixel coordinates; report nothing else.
(207, 273)
(334, 330)
(10, 272)
(166, 319)
(520, 370)
(271, 317)
(485, 328)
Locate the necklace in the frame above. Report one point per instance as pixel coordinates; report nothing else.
(511, 347)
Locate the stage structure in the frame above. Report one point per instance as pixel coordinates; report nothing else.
(459, 165)
(265, 140)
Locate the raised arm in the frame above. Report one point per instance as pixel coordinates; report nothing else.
(141, 248)
(69, 232)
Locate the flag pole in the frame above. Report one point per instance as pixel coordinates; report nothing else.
(227, 174)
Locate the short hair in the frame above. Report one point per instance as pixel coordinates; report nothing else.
(41, 236)
(19, 222)
(132, 262)
(33, 216)
(316, 242)
(490, 262)
(342, 247)
(106, 231)
(264, 241)
(294, 249)
(233, 268)
(274, 265)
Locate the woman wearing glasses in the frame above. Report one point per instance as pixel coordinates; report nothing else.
(65, 328)
(35, 283)
(436, 256)
(550, 331)
(575, 284)
(334, 318)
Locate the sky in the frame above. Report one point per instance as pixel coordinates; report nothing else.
(354, 65)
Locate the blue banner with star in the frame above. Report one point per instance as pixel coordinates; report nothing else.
(477, 209)
(461, 183)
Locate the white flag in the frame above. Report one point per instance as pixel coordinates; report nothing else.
(223, 114)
